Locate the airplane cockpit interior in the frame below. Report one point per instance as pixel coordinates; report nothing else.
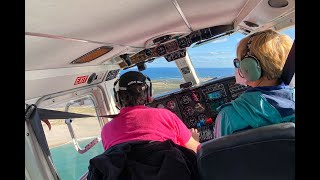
(76, 50)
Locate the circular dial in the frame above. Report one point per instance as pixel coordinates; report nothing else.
(188, 110)
(185, 99)
(191, 122)
(160, 105)
(161, 50)
(171, 104)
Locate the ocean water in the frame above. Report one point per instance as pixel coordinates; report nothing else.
(174, 73)
(69, 163)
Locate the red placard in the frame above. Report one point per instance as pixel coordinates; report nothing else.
(80, 80)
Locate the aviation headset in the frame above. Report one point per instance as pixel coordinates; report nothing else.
(249, 66)
(132, 77)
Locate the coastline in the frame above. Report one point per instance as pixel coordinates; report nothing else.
(59, 134)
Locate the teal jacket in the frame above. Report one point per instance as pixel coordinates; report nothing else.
(259, 106)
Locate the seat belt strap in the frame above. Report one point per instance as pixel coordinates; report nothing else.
(289, 67)
(35, 115)
(46, 114)
(52, 114)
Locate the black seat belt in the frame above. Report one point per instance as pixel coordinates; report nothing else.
(46, 114)
(35, 115)
(52, 114)
(289, 67)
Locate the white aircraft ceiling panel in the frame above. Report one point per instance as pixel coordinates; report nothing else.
(45, 53)
(123, 22)
(205, 13)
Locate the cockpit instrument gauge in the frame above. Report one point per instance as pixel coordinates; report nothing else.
(161, 50)
(185, 99)
(171, 46)
(188, 110)
(191, 122)
(171, 104)
(148, 52)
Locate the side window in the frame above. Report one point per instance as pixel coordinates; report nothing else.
(73, 142)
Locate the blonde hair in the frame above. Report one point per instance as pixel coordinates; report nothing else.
(270, 48)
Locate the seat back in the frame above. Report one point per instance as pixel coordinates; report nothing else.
(263, 153)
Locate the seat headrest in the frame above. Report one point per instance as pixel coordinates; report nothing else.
(262, 153)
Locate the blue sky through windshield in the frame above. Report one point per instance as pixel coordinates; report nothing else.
(217, 54)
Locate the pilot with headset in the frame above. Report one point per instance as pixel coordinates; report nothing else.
(261, 58)
(139, 122)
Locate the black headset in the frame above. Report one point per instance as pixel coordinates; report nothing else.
(117, 88)
(249, 66)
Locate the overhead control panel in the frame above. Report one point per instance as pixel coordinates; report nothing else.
(175, 55)
(173, 47)
(197, 106)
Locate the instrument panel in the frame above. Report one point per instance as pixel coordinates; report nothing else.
(197, 106)
(174, 47)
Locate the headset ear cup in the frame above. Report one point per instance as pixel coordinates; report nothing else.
(250, 68)
(150, 90)
(149, 95)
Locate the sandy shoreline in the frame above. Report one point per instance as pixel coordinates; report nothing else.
(83, 128)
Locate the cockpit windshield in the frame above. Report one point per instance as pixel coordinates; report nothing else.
(210, 60)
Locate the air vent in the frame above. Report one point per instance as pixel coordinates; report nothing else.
(92, 55)
(244, 31)
(250, 24)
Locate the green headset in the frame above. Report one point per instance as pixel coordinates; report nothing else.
(249, 66)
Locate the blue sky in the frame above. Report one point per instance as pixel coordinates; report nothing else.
(218, 54)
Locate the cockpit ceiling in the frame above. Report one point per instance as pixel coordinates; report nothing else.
(99, 23)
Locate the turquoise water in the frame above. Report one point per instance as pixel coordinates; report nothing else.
(69, 163)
